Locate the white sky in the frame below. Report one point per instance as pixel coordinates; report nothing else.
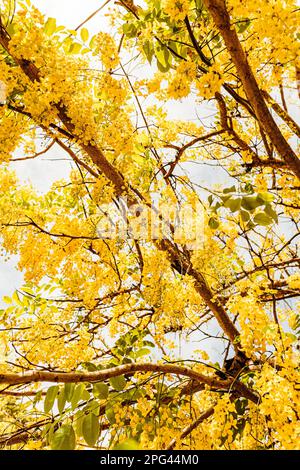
(71, 13)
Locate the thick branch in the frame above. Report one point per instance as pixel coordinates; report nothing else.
(105, 374)
(221, 18)
(282, 113)
(100, 376)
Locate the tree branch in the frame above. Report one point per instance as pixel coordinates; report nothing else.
(217, 9)
(188, 429)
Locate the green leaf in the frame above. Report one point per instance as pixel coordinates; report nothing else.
(61, 401)
(233, 204)
(10, 29)
(163, 55)
(129, 30)
(142, 352)
(77, 394)
(69, 389)
(243, 25)
(93, 42)
(89, 366)
(16, 298)
(50, 26)
(245, 216)
(38, 397)
(118, 383)
(63, 438)
(85, 395)
(109, 413)
(128, 444)
(162, 59)
(173, 45)
(271, 212)
(199, 4)
(232, 189)
(291, 336)
(84, 34)
(250, 203)
(263, 219)
(90, 429)
(265, 197)
(149, 50)
(78, 420)
(50, 398)
(100, 390)
(213, 223)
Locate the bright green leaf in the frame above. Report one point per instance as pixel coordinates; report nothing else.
(213, 223)
(118, 383)
(61, 401)
(142, 352)
(90, 429)
(69, 389)
(265, 197)
(77, 394)
(75, 48)
(50, 398)
(63, 438)
(263, 219)
(110, 414)
(128, 444)
(100, 390)
(233, 204)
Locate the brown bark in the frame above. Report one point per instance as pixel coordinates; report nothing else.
(217, 9)
(105, 374)
(282, 114)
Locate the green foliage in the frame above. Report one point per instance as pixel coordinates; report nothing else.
(118, 383)
(77, 395)
(50, 398)
(245, 202)
(128, 444)
(64, 438)
(90, 428)
(100, 390)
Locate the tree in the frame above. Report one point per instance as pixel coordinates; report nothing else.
(97, 315)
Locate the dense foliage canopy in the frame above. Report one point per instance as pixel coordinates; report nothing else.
(177, 338)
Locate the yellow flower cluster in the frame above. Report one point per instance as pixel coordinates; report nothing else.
(180, 83)
(294, 281)
(210, 83)
(106, 47)
(176, 9)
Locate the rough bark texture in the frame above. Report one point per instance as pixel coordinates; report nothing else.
(220, 15)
